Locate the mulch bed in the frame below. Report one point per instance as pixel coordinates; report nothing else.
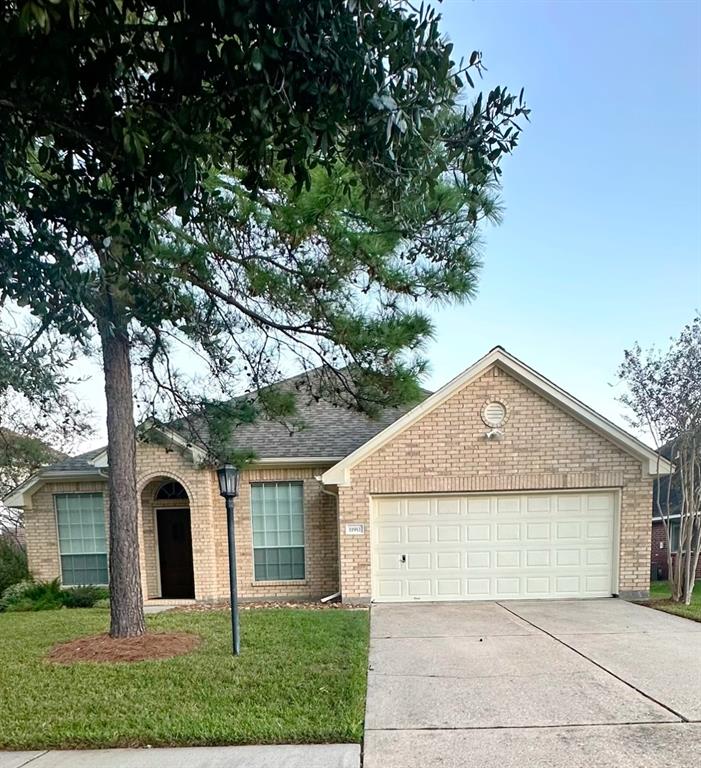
(225, 605)
(148, 647)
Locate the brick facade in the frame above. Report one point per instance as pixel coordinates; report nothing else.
(208, 526)
(658, 554)
(543, 448)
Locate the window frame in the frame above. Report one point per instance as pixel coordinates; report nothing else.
(58, 537)
(304, 547)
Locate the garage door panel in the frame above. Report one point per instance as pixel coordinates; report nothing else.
(479, 532)
(448, 560)
(478, 506)
(508, 531)
(507, 505)
(478, 587)
(538, 531)
(567, 557)
(478, 559)
(537, 558)
(448, 534)
(568, 529)
(418, 534)
(509, 559)
(390, 534)
(537, 585)
(417, 561)
(493, 546)
(449, 588)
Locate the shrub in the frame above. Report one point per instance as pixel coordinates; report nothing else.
(84, 597)
(49, 595)
(14, 593)
(103, 603)
(13, 564)
(35, 596)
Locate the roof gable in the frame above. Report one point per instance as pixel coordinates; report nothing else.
(339, 474)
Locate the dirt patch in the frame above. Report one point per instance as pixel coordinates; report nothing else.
(225, 605)
(148, 647)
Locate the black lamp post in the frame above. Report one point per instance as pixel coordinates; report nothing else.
(228, 476)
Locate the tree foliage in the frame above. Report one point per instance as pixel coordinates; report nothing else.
(257, 181)
(664, 396)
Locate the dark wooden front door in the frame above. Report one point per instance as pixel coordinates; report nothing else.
(175, 553)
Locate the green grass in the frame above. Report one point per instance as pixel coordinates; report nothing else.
(300, 678)
(660, 594)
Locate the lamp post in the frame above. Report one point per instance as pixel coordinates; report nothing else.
(228, 476)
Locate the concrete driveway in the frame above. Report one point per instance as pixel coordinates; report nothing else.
(553, 684)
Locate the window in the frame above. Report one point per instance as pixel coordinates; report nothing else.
(674, 536)
(277, 512)
(81, 538)
(171, 490)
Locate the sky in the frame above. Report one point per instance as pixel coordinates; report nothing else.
(600, 245)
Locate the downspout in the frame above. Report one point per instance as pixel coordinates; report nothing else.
(333, 495)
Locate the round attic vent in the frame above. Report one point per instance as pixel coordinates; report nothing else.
(494, 414)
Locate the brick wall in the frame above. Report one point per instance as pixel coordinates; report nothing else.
(658, 553)
(543, 448)
(208, 524)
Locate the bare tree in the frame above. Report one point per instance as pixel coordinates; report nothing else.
(664, 395)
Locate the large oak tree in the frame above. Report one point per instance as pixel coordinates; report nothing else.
(260, 181)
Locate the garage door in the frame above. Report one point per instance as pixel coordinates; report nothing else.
(483, 547)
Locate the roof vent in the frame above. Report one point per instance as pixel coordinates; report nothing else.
(494, 414)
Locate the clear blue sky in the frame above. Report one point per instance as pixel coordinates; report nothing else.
(601, 240)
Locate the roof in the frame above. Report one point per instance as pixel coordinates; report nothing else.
(83, 461)
(324, 433)
(324, 429)
(339, 474)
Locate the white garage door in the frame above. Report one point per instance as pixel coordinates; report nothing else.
(497, 546)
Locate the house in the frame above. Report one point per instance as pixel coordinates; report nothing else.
(659, 566)
(499, 485)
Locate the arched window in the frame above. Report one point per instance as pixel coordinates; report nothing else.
(171, 490)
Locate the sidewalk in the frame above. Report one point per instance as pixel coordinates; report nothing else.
(293, 756)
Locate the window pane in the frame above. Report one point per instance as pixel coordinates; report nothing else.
(81, 536)
(674, 535)
(84, 569)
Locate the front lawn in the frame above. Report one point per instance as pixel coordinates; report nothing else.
(300, 679)
(660, 599)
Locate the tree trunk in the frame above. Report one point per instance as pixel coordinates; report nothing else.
(126, 600)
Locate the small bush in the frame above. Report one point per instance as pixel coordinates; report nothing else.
(84, 597)
(13, 564)
(34, 596)
(14, 593)
(103, 603)
(49, 596)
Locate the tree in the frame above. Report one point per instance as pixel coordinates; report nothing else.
(664, 395)
(39, 415)
(259, 181)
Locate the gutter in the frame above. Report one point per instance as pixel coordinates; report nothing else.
(334, 495)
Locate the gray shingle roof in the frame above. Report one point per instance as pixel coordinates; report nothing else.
(323, 429)
(326, 430)
(76, 463)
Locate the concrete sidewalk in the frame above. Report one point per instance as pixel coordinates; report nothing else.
(293, 756)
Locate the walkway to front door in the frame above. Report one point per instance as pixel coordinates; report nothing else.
(563, 684)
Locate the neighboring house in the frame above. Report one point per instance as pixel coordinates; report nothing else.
(658, 552)
(500, 485)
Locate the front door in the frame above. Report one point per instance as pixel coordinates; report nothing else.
(175, 553)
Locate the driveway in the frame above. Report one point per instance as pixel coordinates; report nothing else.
(553, 684)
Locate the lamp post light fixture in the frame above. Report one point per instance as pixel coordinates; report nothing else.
(228, 476)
